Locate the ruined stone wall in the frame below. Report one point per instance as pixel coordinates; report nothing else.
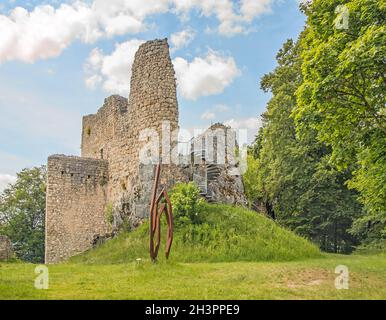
(153, 96)
(110, 171)
(100, 131)
(116, 129)
(76, 205)
(105, 135)
(215, 166)
(152, 104)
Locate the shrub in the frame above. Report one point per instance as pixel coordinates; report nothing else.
(109, 214)
(187, 204)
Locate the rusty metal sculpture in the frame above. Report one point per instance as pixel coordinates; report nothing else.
(160, 204)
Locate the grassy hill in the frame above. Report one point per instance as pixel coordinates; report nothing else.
(227, 234)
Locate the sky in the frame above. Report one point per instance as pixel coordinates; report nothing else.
(59, 60)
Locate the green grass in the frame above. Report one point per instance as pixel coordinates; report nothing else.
(307, 279)
(228, 234)
(235, 254)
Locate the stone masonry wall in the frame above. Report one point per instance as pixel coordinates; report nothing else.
(216, 163)
(152, 104)
(100, 130)
(115, 131)
(110, 171)
(76, 205)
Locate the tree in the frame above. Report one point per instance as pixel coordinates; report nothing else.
(251, 180)
(342, 98)
(22, 214)
(295, 182)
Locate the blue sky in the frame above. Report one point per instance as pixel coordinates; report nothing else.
(60, 59)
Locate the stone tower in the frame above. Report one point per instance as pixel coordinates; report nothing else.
(110, 174)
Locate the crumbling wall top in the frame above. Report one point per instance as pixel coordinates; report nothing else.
(112, 104)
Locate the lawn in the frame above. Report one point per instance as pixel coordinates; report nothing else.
(233, 254)
(307, 279)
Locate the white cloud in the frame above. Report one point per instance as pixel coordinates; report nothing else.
(46, 31)
(246, 123)
(208, 115)
(5, 180)
(211, 113)
(221, 107)
(112, 71)
(118, 17)
(201, 77)
(205, 76)
(233, 17)
(93, 80)
(254, 8)
(41, 33)
(251, 124)
(181, 39)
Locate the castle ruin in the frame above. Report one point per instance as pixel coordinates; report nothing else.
(91, 195)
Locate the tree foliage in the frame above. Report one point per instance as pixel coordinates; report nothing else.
(293, 178)
(342, 98)
(325, 127)
(22, 214)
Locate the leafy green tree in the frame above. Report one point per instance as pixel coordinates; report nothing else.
(294, 180)
(22, 214)
(251, 180)
(342, 98)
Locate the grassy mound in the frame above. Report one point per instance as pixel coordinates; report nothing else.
(228, 234)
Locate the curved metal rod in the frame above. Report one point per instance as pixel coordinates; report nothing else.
(157, 208)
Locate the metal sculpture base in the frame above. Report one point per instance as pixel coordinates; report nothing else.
(160, 204)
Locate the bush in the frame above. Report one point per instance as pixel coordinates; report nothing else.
(187, 204)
